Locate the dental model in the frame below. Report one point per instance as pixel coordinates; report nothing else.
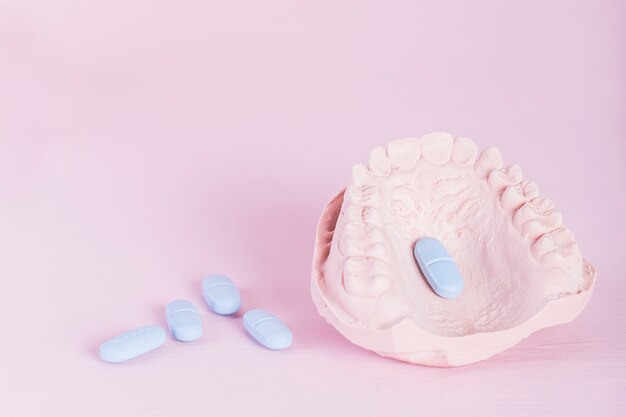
(522, 268)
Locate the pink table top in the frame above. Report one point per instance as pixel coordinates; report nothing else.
(143, 146)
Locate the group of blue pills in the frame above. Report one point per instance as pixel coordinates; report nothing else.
(183, 320)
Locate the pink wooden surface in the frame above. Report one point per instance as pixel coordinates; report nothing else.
(143, 145)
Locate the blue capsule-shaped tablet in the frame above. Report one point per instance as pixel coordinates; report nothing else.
(267, 329)
(221, 294)
(438, 267)
(184, 320)
(132, 343)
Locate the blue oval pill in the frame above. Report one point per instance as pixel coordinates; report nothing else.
(132, 343)
(221, 294)
(267, 329)
(439, 268)
(184, 320)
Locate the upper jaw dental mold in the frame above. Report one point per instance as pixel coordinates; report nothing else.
(522, 268)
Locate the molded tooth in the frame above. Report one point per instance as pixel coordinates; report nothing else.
(543, 205)
(557, 249)
(378, 250)
(514, 196)
(569, 261)
(379, 163)
(489, 159)
(464, 152)
(533, 221)
(353, 246)
(368, 215)
(499, 179)
(371, 197)
(354, 211)
(366, 233)
(437, 148)
(373, 216)
(361, 176)
(353, 194)
(365, 196)
(404, 153)
(350, 245)
(366, 277)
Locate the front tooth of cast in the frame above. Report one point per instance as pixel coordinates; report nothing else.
(404, 153)
(464, 152)
(437, 148)
(489, 159)
(379, 163)
(499, 179)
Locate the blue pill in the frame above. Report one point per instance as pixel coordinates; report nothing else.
(267, 329)
(221, 294)
(184, 320)
(132, 343)
(438, 267)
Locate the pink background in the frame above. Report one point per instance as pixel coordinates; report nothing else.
(145, 144)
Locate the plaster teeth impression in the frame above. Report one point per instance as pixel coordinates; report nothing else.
(536, 218)
(522, 267)
(515, 196)
(500, 179)
(379, 162)
(437, 148)
(464, 152)
(488, 160)
(404, 153)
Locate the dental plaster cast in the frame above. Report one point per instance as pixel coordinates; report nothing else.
(522, 268)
